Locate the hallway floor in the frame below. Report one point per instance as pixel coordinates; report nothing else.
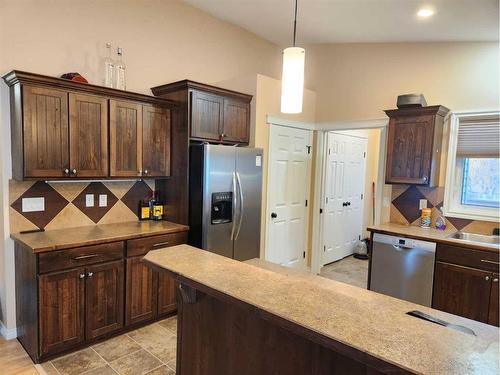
(348, 270)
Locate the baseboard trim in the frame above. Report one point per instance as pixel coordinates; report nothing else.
(7, 334)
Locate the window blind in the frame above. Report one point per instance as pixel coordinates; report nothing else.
(479, 136)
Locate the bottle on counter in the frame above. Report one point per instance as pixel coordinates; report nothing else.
(109, 68)
(156, 206)
(440, 220)
(120, 79)
(144, 210)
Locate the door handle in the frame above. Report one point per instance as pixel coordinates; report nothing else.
(233, 205)
(348, 203)
(344, 204)
(274, 215)
(240, 218)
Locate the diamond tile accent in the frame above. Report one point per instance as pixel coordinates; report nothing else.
(54, 203)
(459, 223)
(407, 203)
(95, 213)
(138, 192)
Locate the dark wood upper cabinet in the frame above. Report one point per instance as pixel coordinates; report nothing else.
(61, 310)
(125, 138)
(414, 145)
(493, 313)
(46, 132)
(104, 293)
(236, 121)
(207, 112)
(462, 291)
(156, 141)
(211, 113)
(88, 134)
(61, 129)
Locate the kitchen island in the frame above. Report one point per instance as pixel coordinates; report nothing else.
(248, 318)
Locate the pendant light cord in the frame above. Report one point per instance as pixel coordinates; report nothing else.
(295, 24)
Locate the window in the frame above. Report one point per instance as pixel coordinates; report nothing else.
(472, 189)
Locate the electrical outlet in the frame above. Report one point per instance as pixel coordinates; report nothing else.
(89, 200)
(103, 200)
(33, 204)
(422, 204)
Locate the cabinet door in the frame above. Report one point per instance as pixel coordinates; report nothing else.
(156, 124)
(88, 134)
(166, 294)
(462, 291)
(125, 139)
(104, 298)
(141, 290)
(61, 306)
(236, 121)
(207, 112)
(494, 297)
(45, 128)
(409, 150)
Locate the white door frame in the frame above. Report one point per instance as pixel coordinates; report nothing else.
(320, 168)
(277, 121)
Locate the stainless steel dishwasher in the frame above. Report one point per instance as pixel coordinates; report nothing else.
(403, 268)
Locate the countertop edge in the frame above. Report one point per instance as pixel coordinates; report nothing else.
(17, 238)
(447, 241)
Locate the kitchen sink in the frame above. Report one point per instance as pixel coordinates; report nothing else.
(473, 237)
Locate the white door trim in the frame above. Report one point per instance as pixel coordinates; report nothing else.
(296, 124)
(320, 170)
(274, 120)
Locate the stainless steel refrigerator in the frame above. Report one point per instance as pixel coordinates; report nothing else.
(225, 199)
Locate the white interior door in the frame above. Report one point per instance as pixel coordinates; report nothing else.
(343, 195)
(288, 191)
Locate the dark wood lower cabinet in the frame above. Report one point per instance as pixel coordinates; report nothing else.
(462, 291)
(141, 288)
(86, 294)
(61, 306)
(493, 313)
(104, 298)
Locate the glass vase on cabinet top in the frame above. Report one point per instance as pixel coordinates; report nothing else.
(120, 81)
(109, 68)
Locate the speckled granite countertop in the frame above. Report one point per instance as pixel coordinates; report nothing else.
(367, 321)
(94, 234)
(429, 234)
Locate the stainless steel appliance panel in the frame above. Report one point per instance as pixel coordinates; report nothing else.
(218, 176)
(248, 203)
(403, 268)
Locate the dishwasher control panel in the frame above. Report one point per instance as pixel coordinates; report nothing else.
(407, 243)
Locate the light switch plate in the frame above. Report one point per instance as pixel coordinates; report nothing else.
(89, 200)
(103, 200)
(33, 204)
(422, 204)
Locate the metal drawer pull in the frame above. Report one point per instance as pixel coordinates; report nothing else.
(489, 261)
(495, 280)
(161, 244)
(86, 256)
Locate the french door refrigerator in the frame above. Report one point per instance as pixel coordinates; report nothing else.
(225, 199)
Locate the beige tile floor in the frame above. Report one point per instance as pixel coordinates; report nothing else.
(348, 270)
(149, 350)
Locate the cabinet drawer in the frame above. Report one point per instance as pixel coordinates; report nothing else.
(141, 246)
(80, 256)
(484, 260)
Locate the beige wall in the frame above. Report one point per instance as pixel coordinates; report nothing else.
(359, 81)
(163, 41)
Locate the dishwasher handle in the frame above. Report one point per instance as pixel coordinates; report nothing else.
(402, 248)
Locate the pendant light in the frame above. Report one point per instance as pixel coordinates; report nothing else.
(292, 78)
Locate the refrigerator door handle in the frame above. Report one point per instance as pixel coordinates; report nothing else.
(233, 206)
(240, 218)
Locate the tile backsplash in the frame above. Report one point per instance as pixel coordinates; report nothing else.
(65, 203)
(405, 209)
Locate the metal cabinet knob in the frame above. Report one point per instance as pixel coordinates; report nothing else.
(66, 171)
(146, 171)
(487, 278)
(82, 276)
(73, 171)
(425, 178)
(274, 215)
(140, 172)
(495, 280)
(90, 274)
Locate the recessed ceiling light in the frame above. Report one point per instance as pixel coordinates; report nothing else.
(425, 12)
